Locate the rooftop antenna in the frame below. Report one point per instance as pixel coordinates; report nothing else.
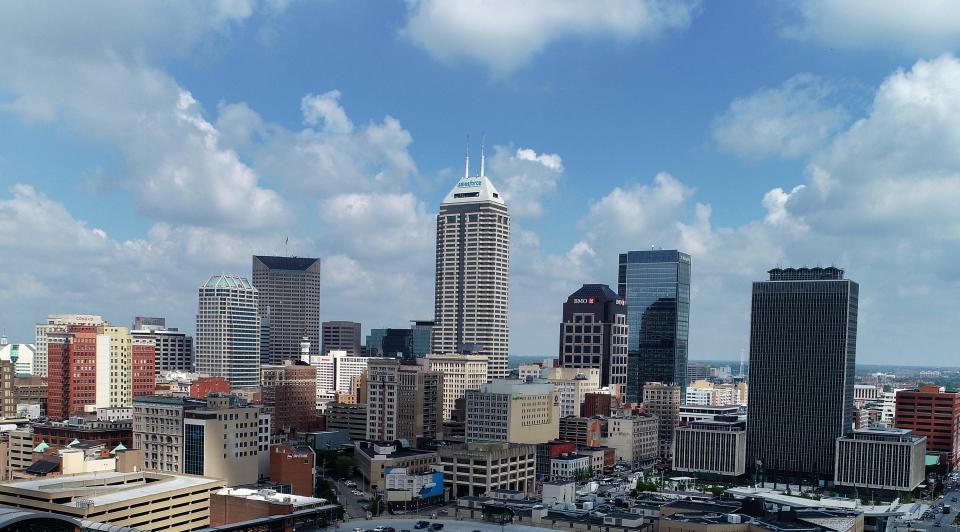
(482, 154)
(466, 167)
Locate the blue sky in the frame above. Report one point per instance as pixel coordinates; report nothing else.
(144, 147)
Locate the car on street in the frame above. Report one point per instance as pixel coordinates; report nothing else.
(421, 524)
(436, 526)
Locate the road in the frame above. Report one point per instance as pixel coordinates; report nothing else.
(448, 525)
(940, 522)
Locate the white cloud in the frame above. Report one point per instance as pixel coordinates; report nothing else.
(920, 26)
(329, 156)
(525, 178)
(504, 34)
(787, 121)
(384, 227)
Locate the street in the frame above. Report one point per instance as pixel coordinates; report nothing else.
(940, 521)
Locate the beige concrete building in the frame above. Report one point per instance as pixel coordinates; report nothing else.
(513, 411)
(348, 417)
(881, 458)
(475, 469)
(663, 402)
(19, 451)
(460, 373)
(403, 401)
(572, 385)
(219, 437)
(634, 439)
(142, 500)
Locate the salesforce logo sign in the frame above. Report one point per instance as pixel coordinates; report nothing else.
(469, 184)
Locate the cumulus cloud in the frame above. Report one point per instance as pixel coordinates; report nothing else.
(922, 26)
(330, 155)
(525, 178)
(788, 121)
(504, 34)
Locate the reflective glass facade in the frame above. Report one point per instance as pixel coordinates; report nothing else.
(803, 343)
(656, 286)
(193, 449)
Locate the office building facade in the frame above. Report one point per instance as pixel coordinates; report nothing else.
(473, 272)
(714, 449)
(57, 323)
(403, 401)
(930, 411)
(289, 290)
(803, 338)
(341, 336)
(663, 402)
(594, 333)
(173, 349)
(476, 469)
(881, 458)
(289, 392)
(656, 287)
(512, 411)
(460, 373)
(228, 330)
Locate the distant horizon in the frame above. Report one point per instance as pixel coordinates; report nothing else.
(515, 359)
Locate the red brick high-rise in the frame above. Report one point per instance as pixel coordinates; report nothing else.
(929, 412)
(290, 391)
(144, 379)
(71, 371)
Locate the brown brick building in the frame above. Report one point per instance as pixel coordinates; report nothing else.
(294, 465)
(929, 412)
(290, 392)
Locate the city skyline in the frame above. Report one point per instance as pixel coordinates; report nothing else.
(275, 130)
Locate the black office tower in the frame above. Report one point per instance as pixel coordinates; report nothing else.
(594, 333)
(656, 286)
(289, 290)
(803, 343)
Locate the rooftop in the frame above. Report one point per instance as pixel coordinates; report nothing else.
(228, 280)
(473, 189)
(286, 263)
(105, 487)
(817, 273)
(516, 386)
(271, 496)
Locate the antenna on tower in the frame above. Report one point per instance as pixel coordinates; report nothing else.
(483, 138)
(466, 166)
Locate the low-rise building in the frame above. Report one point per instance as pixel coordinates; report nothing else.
(142, 500)
(239, 505)
(475, 469)
(690, 413)
(294, 465)
(373, 459)
(602, 459)
(547, 451)
(634, 439)
(882, 458)
(663, 402)
(572, 466)
(715, 448)
(583, 430)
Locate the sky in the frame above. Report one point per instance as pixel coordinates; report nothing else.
(145, 146)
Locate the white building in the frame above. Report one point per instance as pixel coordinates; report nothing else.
(509, 410)
(460, 373)
(25, 354)
(633, 439)
(57, 323)
(347, 368)
(866, 393)
(473, 271)
(889, 406)
(572, 384)
(228, 330)
(569, 466)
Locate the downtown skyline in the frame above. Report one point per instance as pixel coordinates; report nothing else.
(815, 148)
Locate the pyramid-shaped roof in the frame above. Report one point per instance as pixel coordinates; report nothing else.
(473, 189)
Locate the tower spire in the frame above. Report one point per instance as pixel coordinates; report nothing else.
(482, 154)
(466, 166)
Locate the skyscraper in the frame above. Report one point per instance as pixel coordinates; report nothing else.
(473, 271)
(289, 290)
(803, 343)
(656, 286)
(594, 333)
(228, 330)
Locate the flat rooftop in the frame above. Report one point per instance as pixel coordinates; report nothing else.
(105, 488)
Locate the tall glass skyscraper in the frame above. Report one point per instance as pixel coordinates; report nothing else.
(228, 330)
(656, 286)
(803, 346)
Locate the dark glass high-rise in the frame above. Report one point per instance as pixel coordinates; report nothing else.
(803, 344)
(656, 286)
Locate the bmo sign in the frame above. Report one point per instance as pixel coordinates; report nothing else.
(583, 301)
